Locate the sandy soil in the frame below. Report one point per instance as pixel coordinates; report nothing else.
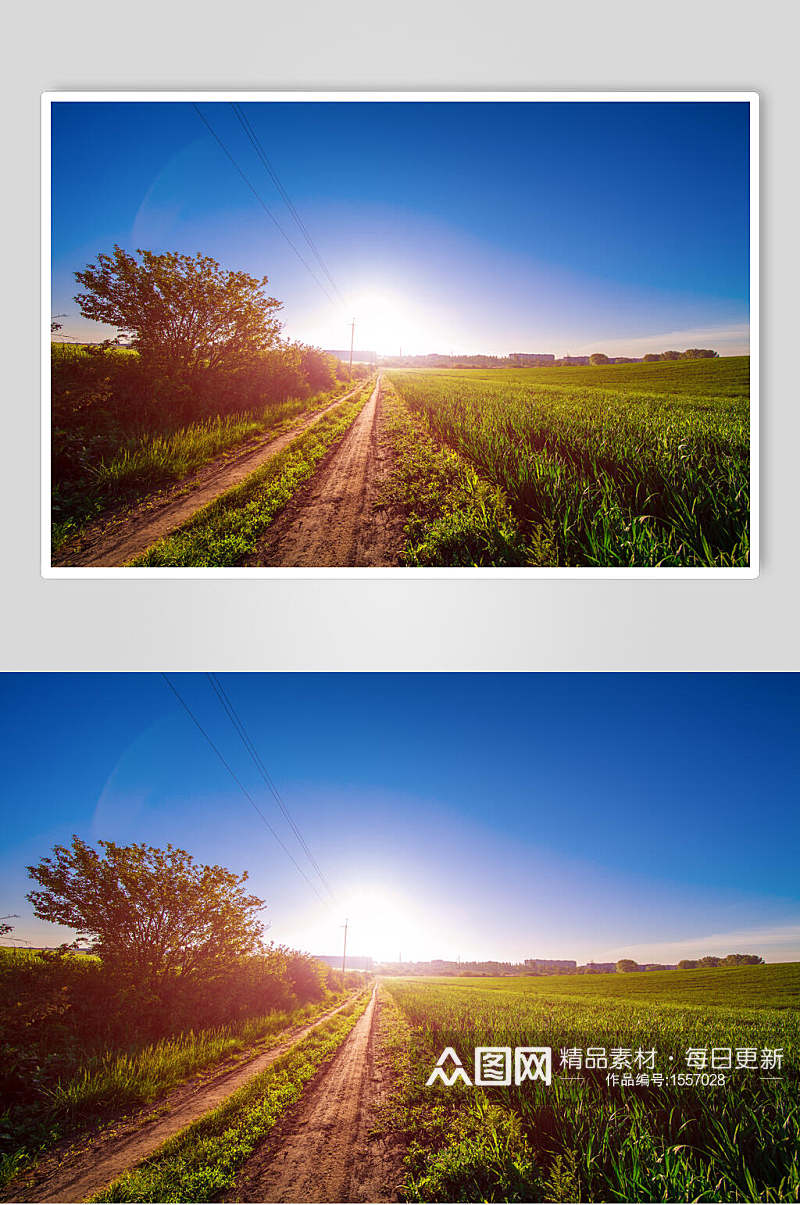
(335, 519)
(78, 1172)
(324, 1149)
(119, 537)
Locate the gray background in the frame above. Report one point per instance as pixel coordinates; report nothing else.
(403, 625)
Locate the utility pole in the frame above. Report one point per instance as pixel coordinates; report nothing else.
(344, 950)
(352, 337)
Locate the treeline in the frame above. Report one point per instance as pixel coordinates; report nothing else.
(51, 993)
(435, 360)
(495, 970)
(692, 353)
(104, 397)
(690, 964)
(730, 960)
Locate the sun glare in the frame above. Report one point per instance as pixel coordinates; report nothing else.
(387, 324)
(381, 923)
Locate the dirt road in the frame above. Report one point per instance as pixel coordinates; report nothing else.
(324, 1149)
(77, 1174)
(118, 538)
(334, 520)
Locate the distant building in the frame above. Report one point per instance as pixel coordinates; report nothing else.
(600, 968)
(572, 360)
(531, 357)
(359, 355)
(355, 962)
(547, 965)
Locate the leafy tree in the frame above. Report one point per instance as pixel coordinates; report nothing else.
(700, 353)
(599, 357)
(319, 367)
(652, 357)
(742, 960)
(627, 964)
(709, 960)
(182, 312)
(307, 976)
(153, 915)
(670, 355)
(687, 964)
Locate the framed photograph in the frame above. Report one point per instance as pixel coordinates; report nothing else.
(400, 334)
(394, 962)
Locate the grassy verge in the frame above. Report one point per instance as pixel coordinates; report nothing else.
(203, 1160)
(154, 461)
(227, 530)
(113, 1083)
(454, 517)
(121, 1081)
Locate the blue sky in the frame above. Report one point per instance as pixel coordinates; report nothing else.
(508, 816)
(471, 227)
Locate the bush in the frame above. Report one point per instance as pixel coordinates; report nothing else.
(77, 1044)
(106, 399)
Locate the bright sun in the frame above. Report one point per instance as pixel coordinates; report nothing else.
(385, 323)
(381, 923)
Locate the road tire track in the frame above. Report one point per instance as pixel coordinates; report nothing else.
(325, 1149)
(81, 1171)
(338, 518)
(118, 538)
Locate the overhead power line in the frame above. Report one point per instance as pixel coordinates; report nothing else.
(238, 724)
(262, 202)
(241, 785)
(247, 126)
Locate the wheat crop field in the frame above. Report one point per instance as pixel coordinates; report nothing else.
(621, 465)
(679, 1130)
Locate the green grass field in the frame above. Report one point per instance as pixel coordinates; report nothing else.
(628, 465)
(583, 1139)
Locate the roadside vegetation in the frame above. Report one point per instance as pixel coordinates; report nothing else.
(206, 370)
(453, 518)
(227, 530)
(95, 471)
(180, 980)
(618, 465)
(203, 1160)
(581, 1139)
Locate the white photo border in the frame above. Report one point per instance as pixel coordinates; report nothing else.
(49, 98)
